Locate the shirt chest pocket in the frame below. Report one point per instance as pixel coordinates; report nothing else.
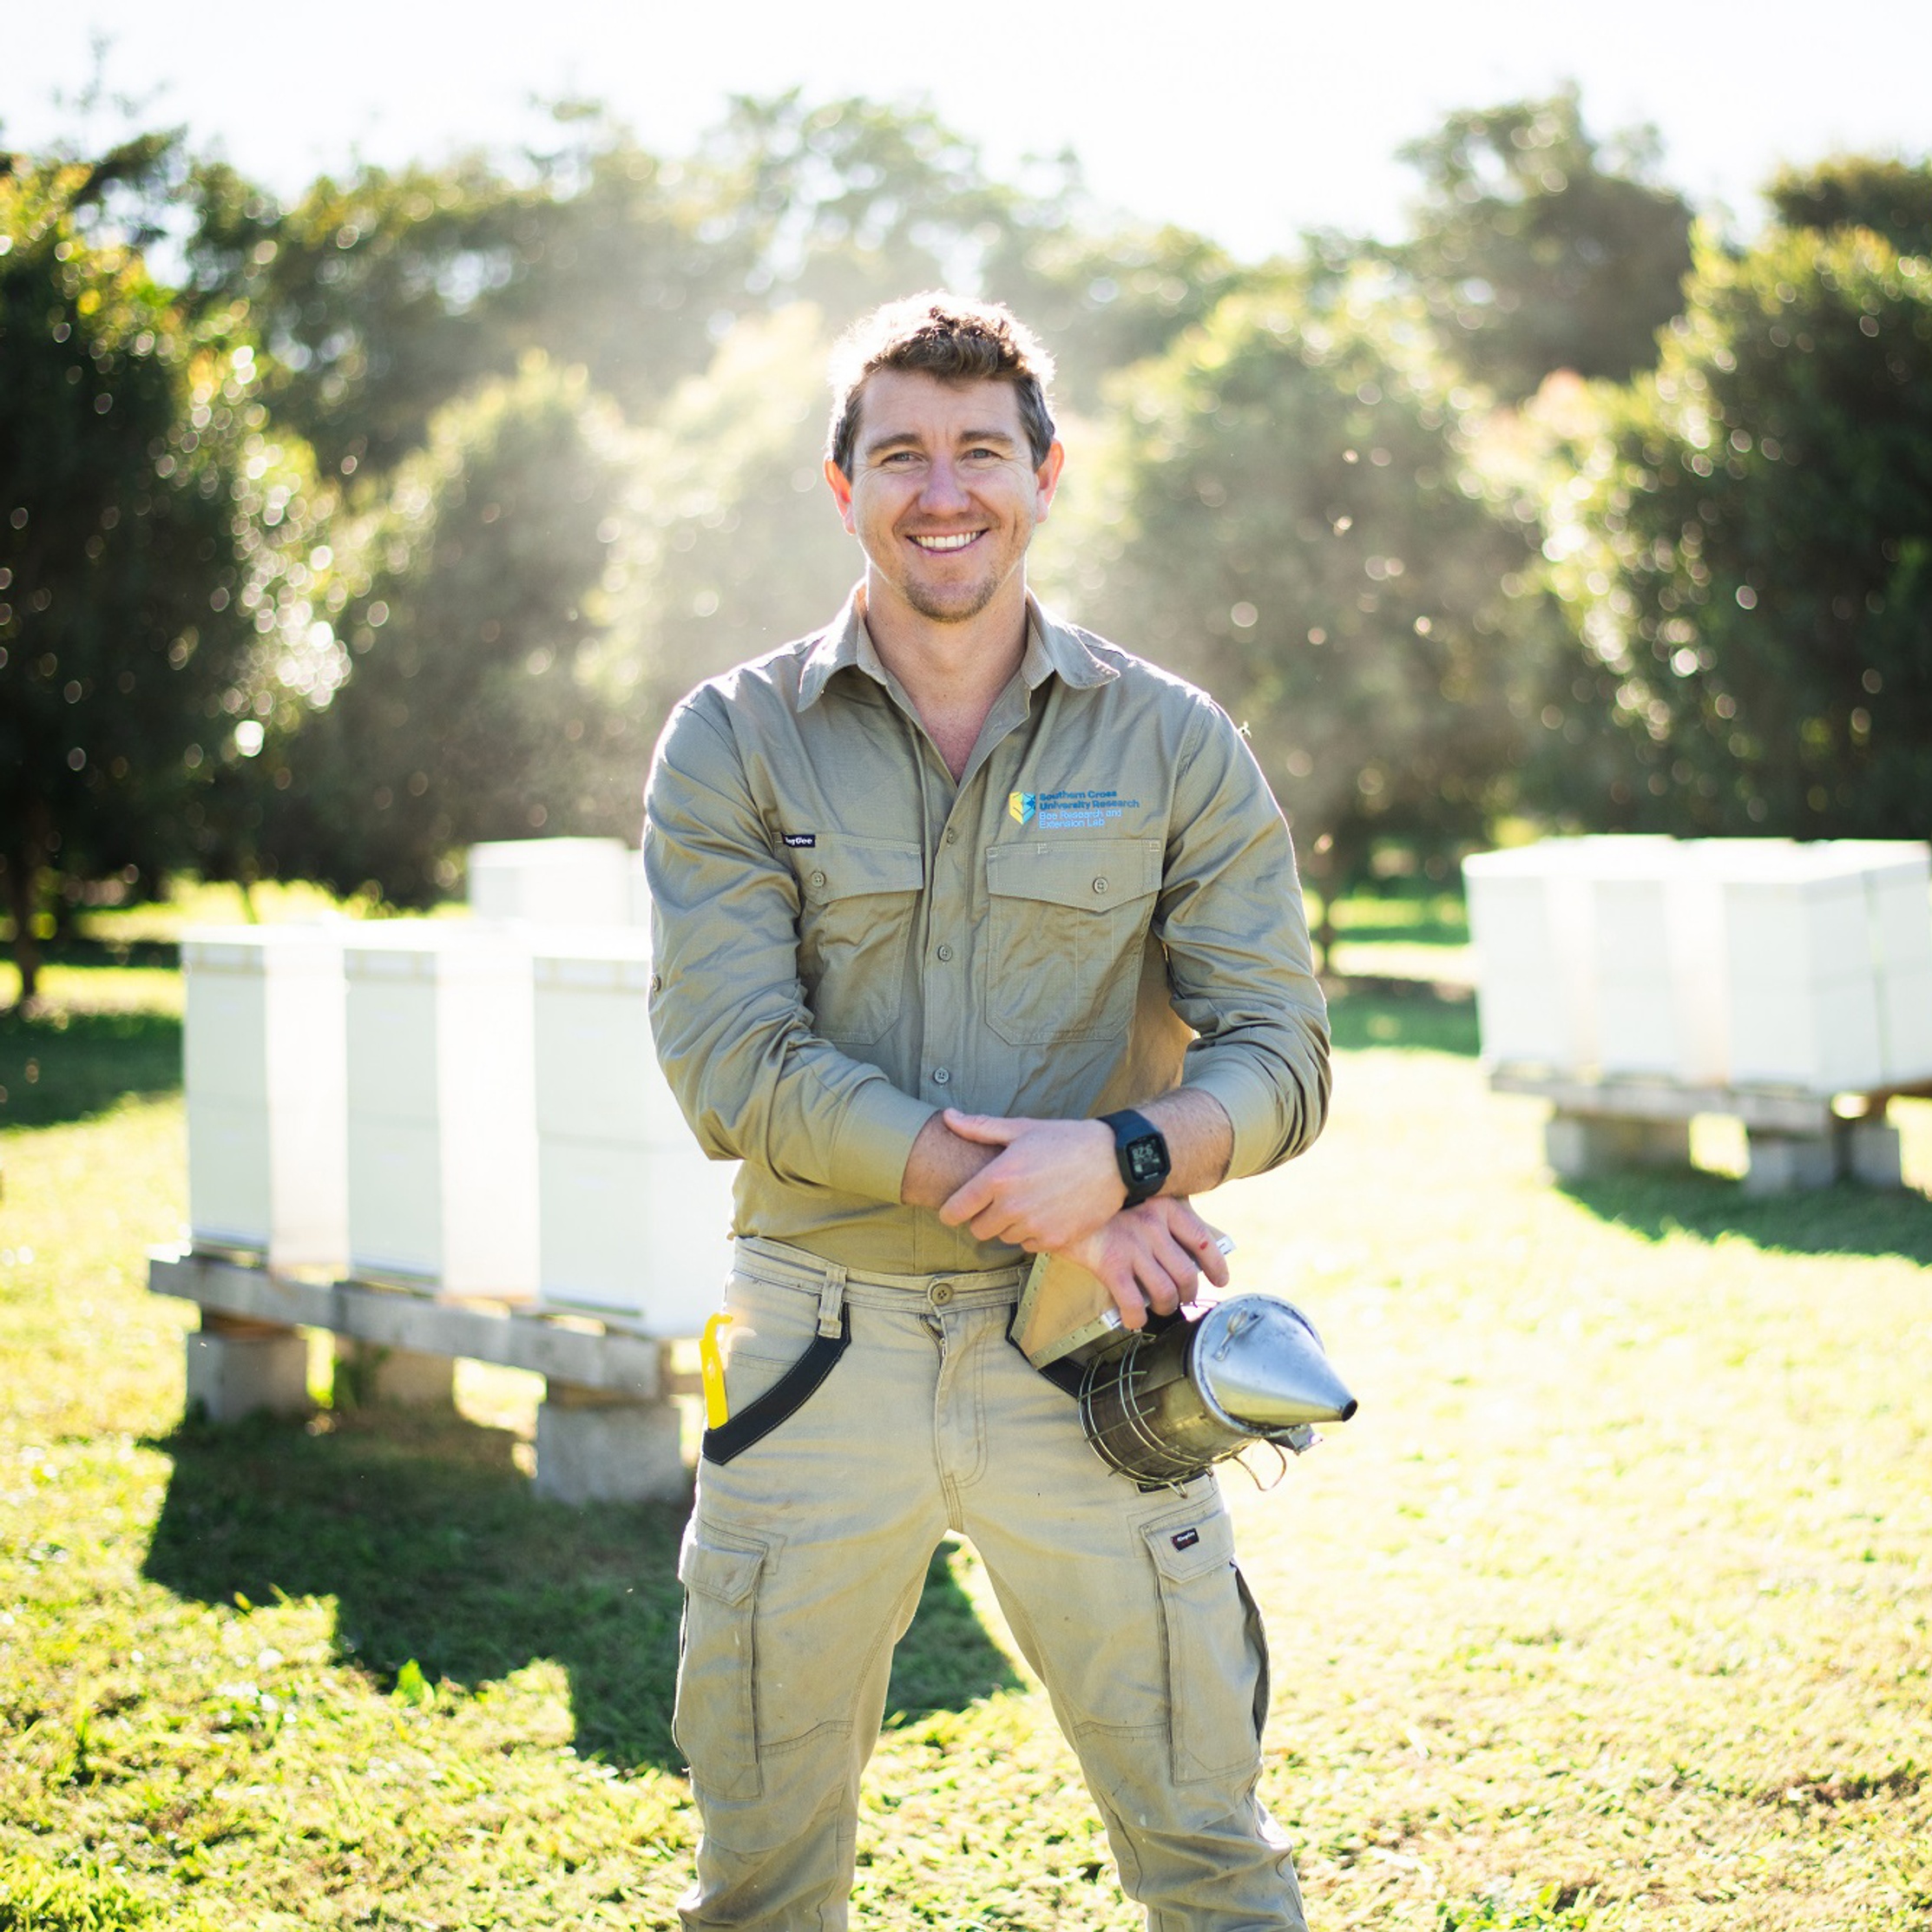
(858, 900)
(1066, 924)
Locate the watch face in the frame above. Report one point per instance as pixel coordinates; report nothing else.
(1146, 1161)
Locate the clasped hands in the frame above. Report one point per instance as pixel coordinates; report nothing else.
(1054, 1189)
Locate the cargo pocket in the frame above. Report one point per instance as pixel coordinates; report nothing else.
(1068, 921)
(858, 897)
(714, 1720)
(1216, 1657)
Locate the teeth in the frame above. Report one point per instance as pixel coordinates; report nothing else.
(946, 542)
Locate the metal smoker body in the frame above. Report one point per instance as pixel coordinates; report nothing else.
(1163, 1406)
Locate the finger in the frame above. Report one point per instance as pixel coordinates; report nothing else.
(989, 1130)
(973, 1198)
(999, 1223)
(1125, 1290)
(1203, 1244)
(1162, 1290)
(1182, 1268)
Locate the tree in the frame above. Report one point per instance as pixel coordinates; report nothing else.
(475, 590)
(1892, 198)
(136, 554)
(383, 297)
(734, 545)
(1748, 551)
(1289, 518)
(1538, 248)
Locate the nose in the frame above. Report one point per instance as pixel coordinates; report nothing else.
(943, 489)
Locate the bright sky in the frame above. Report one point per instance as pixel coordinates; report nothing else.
(1249, 118)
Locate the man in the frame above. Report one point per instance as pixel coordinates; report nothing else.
(934, 891)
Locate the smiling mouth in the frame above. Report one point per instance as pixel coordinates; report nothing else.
(942, 544)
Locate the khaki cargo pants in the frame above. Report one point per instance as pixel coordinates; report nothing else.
(803, 1565)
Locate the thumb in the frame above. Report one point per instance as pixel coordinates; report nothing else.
(991, 1130)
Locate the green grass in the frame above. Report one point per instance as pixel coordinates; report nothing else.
(1613, 1608)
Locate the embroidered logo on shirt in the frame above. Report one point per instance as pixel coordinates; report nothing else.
(800, 841)
(1068, 810)
(1187, 1539)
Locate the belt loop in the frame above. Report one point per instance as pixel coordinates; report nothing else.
(831, 1300)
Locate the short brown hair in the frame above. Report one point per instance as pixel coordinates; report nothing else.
(951, 337)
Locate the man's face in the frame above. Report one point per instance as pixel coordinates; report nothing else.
(943, 496)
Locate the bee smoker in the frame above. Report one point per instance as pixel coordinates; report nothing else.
(1167, 1403)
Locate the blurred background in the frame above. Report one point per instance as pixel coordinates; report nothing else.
(1519, 420)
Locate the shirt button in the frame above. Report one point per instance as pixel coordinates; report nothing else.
(1099, 885)
(818, 879)
(945, 952)
(941, 1075)
(942, 1293)
(952, 835)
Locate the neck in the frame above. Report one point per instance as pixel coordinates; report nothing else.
(952, 672)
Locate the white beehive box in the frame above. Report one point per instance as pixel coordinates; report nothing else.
(635, 1221)
(1711, 963)
(267, 1115)
(442, 1114)
(1530, 925)
(1828, 964)
(1656, 938)
(553, 881)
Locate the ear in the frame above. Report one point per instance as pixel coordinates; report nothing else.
(841, 487)
(1045, 478)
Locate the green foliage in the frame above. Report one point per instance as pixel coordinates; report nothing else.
(1537, 248)
(735, 546)
(1106, 295)
(1292, 523)
(1892, 198)
(384, 297)
(145, 521)
(1748, 549)
(476, 588)
(1499, 1911)
(81, 1898)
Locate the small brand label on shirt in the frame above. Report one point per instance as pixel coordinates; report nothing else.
(1187, 1539)
(800, 841)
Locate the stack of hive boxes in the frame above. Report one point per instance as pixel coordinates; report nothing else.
(469, 1107)
(1721, 966)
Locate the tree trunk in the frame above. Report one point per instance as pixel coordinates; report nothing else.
(24, 861)
(23, 876)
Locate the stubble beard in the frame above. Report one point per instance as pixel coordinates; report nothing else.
(961, 608)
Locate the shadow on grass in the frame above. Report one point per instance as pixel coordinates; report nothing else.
(430, 1541)
(1364, 1012)
(1843, 1219)
(61, 1067)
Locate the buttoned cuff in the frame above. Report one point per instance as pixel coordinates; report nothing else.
(1253, 1109)
(877, 1128)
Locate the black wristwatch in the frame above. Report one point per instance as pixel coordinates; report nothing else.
(1141, 1151)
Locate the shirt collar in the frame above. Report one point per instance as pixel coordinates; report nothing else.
(1052, 649)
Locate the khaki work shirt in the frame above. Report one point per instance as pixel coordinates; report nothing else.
(1103, 908)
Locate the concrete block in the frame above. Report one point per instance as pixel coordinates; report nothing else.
(231, 1374)
(1579, 1147)
(369, 1375)
(589, 1450)
(1870, 1150)
(1781, 1163)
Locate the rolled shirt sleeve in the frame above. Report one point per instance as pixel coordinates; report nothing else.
(733, 1031)
(1238, 960)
